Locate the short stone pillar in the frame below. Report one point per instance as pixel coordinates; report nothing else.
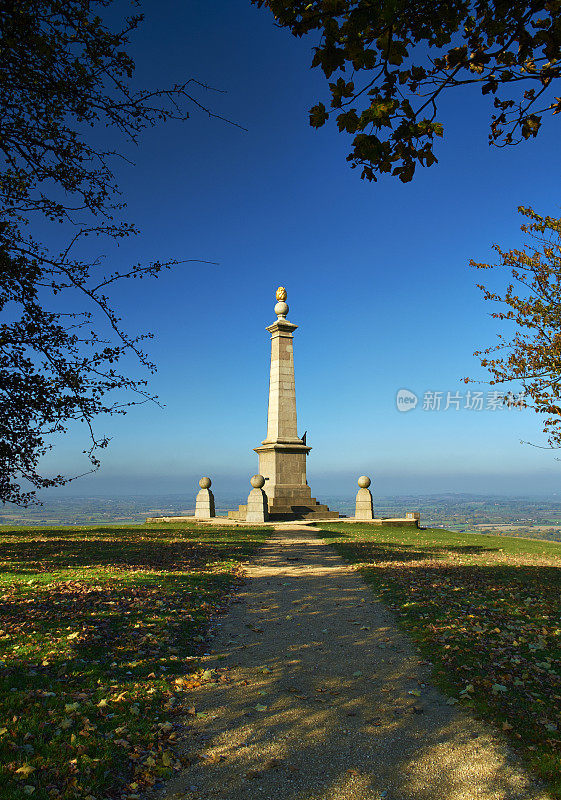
(413, 515)
(204, 504)
(257, 503)
(364, 509)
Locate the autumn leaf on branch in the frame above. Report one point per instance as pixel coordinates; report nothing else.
(531, 306)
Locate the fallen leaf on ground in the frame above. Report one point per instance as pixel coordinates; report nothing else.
(24, 771)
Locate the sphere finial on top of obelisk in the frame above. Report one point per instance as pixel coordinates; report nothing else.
(281, 308)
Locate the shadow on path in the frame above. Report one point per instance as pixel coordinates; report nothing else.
(326, 699)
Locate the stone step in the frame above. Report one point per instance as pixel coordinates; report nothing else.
(239, 514)
(289, 517)
(319, 515)
(313, 510)
(318, 505)
(308, 511)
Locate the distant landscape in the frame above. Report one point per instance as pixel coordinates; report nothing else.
(534, 517)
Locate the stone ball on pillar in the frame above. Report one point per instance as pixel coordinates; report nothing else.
(364, 509)
(204, 503)
(281, 309)
(258, 481)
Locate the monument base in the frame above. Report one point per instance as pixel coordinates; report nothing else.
(283, 464)
(307, 513)
(291, 503)
(299, 507)
(235, 519)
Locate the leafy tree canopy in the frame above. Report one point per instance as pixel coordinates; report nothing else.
(388, 63)
(531, 304)
(66, 87)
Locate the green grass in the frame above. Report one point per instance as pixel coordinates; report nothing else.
(101, 632)
(486, 612)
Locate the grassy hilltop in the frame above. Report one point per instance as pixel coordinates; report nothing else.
(486, 611)
(103, 634)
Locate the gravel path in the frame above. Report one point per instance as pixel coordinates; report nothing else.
(327, 699)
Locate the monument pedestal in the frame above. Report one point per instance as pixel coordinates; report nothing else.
(363, 508)
(284, 469)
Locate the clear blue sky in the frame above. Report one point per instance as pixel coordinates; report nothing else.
(377, 277)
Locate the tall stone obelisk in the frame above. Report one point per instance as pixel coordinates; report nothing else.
(282, 455)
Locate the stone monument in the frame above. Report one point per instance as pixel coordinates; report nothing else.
(257, 507)
(204, 504)
(282, 454)
(364, 509)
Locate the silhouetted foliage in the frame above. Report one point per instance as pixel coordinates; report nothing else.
(390, 61)
(66, 87)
